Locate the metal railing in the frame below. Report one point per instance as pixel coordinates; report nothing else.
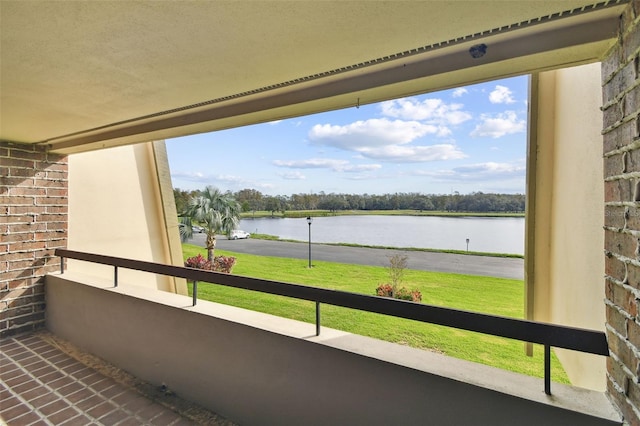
(549, 335)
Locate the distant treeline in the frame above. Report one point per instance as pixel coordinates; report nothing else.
(253, 200)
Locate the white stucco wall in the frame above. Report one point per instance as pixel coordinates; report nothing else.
(569, 263)
(116, 208)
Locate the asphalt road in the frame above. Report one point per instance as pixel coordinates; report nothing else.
(426, 261)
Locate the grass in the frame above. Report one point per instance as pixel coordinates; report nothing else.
(320, 213)
(496, 296)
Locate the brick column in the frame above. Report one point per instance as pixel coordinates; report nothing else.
(621, 107)
(33, 223)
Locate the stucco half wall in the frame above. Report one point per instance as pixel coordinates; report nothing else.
(565, 263)
(121, 204)
(257, 369)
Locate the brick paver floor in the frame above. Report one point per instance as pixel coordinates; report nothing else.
(40, 384)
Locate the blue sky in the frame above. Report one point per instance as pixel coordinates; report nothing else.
(466, 139)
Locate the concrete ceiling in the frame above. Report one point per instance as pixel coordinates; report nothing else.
(82, 75)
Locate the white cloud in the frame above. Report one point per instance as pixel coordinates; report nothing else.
(387, 140)
(221, 181)
(360, 168)
(373, 132)
(499, 125)
(431, 111)
(501, 95)
(312, 163)
(273, 123)
(488, 171)
(413, 154)
(459, 92)
(327, 163)
(493, 170)
(295, 175)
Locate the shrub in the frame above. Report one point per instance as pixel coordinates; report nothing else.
(220, 263)
(223, 264)
(403, 293)
(384, 290)
(198, 262)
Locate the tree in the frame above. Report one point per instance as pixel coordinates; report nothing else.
(250, 199)
(216, 212)
(397, 266)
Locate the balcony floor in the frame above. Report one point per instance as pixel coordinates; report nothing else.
(41, 383)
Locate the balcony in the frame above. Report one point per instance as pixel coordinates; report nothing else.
(255, 368)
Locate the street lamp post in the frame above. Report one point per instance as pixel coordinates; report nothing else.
(309, 220)
(467, 244)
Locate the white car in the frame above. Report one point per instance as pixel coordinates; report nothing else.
(238, 234)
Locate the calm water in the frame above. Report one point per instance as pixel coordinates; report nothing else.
(497, 235)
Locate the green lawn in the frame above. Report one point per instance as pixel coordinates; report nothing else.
(497, 296)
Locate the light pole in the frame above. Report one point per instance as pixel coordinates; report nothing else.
(467, 244)
(309, 220)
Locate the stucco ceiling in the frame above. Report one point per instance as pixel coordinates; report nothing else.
(80, 75)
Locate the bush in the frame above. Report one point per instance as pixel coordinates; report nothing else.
(403, 293)
(198, 262)
(220, 263)
(384, 290)
(223, 264)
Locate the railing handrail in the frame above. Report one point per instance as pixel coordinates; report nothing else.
(578, 339)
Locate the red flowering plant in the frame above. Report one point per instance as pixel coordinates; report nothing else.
(219, 264)
(198, 262)
(223, 263)
(403, 293)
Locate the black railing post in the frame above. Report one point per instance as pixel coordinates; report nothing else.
(195, 292)
(115, 276)
(547, 369)
(61, 265)
(317, 318)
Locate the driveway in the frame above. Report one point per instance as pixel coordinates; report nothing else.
(502, 267)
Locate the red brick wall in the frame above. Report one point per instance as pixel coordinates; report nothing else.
(33, 223)
(621, 108)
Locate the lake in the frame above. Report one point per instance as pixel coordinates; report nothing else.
(487, 234)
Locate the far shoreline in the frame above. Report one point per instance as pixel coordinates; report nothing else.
(325, 213)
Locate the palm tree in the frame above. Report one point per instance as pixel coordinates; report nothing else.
(216, 212)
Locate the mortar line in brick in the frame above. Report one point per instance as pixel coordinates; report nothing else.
(625, 259)
(635, 292)
(625, 176)
(631, 147)
(619, 310)
(624, 368)
(631, 232)
(626, 398)
(615, 384)
(95, 393)
(623, 339)
(53, 391)
(622, 204)
(22, 400)
(625, 61)
(625, 120)
(627, 287)
(622, 94)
